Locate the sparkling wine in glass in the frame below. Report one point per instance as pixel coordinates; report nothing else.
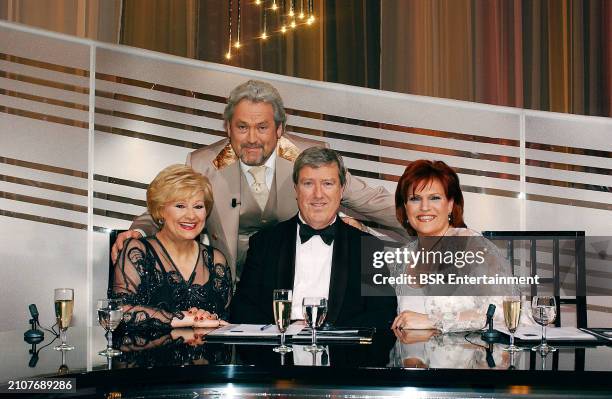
(281, 303)
(512, 317)
(110, 314)
(544, 311)
(314, 310)
(64, 304)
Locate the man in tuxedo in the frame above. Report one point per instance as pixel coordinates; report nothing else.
(314, 253)
(250, 173)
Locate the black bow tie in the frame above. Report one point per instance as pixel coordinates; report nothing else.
(327, 234)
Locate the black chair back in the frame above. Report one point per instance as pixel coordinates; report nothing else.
(533, 237)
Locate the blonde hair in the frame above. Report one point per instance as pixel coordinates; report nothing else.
(174, 183)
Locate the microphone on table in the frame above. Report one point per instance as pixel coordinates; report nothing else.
(235, 202)
(491, 335)
(33, 335)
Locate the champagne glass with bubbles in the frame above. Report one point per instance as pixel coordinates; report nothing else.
(281, 303)
(544, 311)
(315, 310)
(110, 314)
(64, 304)
(512, 316)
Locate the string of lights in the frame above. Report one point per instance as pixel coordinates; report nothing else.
(228, 55)
(285, 9)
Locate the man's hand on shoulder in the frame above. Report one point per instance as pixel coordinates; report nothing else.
(121, 238)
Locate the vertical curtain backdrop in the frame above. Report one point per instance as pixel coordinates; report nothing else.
(551, 55)
(539, 54)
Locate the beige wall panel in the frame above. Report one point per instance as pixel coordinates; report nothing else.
(44, 91)
(46, 74)
(569, 175)
(134, 159)
(37, 175)
(569, 130)
(40, 257)
(489, 212)
(572, 159)
(159, 113)
(547, 216)
(42, 193)
(45, 49)
(563, 192)
(38, 141)
(155, 129)
(44, 108)
(156, 95)
(120, 189)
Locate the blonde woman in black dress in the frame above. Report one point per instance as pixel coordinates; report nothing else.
(171, 280)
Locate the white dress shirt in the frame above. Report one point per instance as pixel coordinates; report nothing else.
(313, 262)
(270, 165)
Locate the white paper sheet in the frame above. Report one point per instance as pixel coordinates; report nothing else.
(534, 333)
(255, 330)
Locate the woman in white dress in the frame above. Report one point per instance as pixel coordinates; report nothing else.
(429, 204)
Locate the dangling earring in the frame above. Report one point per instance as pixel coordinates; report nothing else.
(160, 222)
(450, 218)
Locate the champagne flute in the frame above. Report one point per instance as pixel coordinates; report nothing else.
(314, 310)
(281, 303)
(64, 304)
(512, 316)
(544, 311)
(110, 314)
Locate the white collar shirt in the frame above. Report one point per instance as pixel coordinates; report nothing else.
(270, 165)
(313, 263)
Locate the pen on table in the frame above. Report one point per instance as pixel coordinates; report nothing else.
(266, 326)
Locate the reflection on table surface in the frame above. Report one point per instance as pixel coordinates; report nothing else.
(180, 347)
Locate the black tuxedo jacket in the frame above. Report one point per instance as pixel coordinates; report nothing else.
(270, 265)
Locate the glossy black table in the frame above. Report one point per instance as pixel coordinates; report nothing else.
(413, 365)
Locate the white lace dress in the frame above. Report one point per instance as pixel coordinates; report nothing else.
(457, 312)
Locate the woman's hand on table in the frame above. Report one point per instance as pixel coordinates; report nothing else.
(210, 323)
(198, 318)
(408, 320)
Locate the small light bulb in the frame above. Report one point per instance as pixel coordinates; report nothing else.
(274, 6)
(293, 25)
(237, 45)
(311, 18)
(301, 15)
(258, 2)
(291, 13)
(264, 36)
(309, 21)
(228, 55)
(284, 29)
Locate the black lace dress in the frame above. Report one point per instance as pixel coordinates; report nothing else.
(147, 279)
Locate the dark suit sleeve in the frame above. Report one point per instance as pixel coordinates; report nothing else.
(145, 223)
(381, 310)
(381, 302)
(250, 298)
